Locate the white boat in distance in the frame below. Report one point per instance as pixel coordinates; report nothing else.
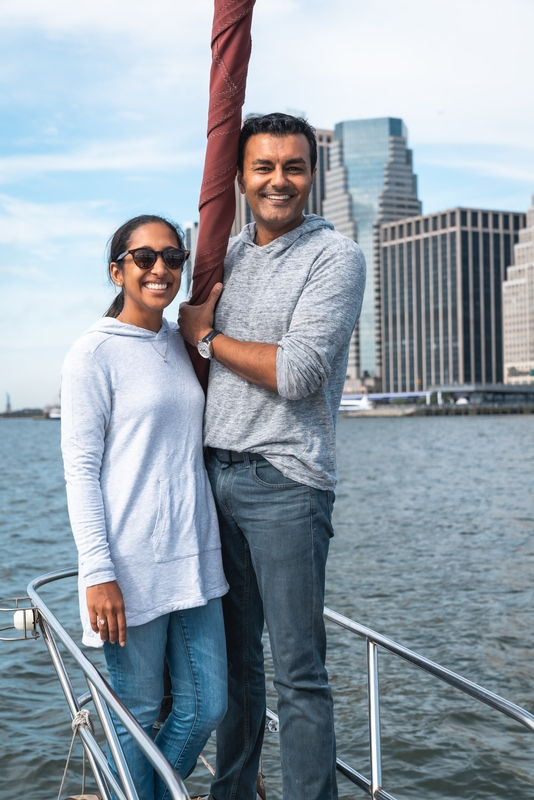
(356, 403)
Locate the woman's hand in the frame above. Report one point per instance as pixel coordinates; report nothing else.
(106, 611)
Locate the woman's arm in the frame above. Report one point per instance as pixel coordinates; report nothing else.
(85, 415)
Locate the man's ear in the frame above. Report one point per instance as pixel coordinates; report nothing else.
(240, 182)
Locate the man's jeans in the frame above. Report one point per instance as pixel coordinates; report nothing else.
(275, 535)
(193, 641)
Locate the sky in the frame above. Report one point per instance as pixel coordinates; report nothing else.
(103, 116)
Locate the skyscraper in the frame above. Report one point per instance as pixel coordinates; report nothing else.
(440, 283)
(518, 309)
(370, 181)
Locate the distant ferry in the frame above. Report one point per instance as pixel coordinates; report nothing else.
(356, 403)
(54, 412)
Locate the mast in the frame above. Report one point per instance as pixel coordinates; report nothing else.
(230, 46)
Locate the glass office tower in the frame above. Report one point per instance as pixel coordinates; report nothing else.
(371, 181)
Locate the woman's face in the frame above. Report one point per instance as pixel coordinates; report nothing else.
(147, 291)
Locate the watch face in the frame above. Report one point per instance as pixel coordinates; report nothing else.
(204, 349)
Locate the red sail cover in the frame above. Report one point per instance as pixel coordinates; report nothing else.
(230, 46)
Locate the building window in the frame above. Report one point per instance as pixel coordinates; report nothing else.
(516, 222)
(477, 310)
(496, 221)
(466, 306)
(453, 218)
(443, 220)
(485, 220)
(425, 225)
(474, 219)
(464, 219)
(401, 231)
(391, 234)
(408, 229)
(506, 222)
(434, 223)
(385, 235)
(417, 227)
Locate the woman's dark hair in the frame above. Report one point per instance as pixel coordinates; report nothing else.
(276, 125)
(120, 242)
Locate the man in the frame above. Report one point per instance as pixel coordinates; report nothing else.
(279, 341)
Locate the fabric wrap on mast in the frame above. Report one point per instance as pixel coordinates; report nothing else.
(230, 46)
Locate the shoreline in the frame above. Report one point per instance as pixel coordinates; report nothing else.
(438, 411)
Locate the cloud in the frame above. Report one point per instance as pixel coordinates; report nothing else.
(125, 17)
(513, 164)
(458, 71)
(134, 156)
(24, 223)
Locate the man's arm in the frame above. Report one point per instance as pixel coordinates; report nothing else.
(253, 361)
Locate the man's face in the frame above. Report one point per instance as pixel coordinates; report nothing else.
(277, 180)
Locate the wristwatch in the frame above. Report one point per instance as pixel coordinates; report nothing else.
(204, 344)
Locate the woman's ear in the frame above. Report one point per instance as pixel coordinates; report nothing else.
(116, 273)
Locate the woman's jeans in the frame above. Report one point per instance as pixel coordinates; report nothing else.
(193, 641)
(275, 535)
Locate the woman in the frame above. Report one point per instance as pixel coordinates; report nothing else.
(141, 509)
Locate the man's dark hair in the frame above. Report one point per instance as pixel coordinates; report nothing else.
(276, 125)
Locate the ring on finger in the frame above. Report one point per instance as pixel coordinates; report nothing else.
(102, 622)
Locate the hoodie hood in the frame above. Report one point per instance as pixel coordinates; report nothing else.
(114, 327)
(311, 223)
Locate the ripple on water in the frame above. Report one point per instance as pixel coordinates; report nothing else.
(433, 547)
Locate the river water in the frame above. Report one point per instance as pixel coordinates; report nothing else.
(434, 547)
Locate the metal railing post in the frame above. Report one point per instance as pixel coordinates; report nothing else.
(374, 717)
(70, 697)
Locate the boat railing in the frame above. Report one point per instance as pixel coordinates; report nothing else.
(105, 701)
(374, 640)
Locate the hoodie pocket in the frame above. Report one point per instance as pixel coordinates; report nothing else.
(164, 544)
(184, 525)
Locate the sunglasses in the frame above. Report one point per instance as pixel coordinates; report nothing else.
(146, 257)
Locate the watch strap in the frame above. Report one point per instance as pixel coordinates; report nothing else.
(210, 336)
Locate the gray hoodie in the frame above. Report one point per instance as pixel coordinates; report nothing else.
(303, 292)
(139, 499)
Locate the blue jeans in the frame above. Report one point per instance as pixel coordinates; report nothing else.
(193, 641)
(275, 535)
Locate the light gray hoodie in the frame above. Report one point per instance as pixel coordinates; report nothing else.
(303, 292)
(139, 499)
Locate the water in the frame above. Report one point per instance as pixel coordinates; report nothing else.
(433, 547)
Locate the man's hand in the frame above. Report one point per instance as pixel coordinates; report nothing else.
(253, 361)
(197, 321)
(106, 611)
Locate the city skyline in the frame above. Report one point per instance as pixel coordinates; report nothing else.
(101, 121)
